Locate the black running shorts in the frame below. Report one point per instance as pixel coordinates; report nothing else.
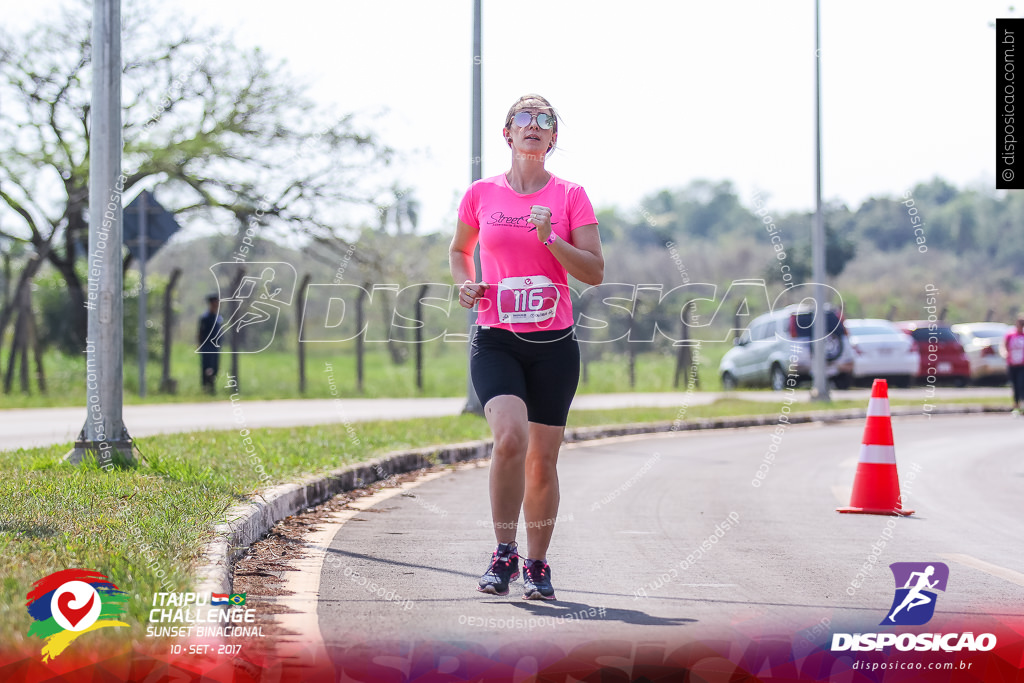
(542, 368)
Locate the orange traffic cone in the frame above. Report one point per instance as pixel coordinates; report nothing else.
(876, 486)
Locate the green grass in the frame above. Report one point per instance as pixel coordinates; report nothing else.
(726, 407)
(265, 375)
(55, 516)
(274, 375)
(654, 371)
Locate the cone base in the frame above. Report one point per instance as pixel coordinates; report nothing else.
(875, 511)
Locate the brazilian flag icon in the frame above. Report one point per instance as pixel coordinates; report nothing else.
(237, 598)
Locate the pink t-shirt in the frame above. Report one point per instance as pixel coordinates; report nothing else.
(528, 286)
(1014, 348)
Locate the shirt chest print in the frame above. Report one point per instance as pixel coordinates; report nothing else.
(499, 220)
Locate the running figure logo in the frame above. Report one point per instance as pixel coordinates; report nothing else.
(255, 303)
(914, 602)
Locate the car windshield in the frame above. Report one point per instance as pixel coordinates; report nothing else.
(941, 334)
(862, 330)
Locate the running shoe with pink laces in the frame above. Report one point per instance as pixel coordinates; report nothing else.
(537, 581)
(503, 570)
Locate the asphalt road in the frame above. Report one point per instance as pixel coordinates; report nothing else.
(27, 428)
(635, 511)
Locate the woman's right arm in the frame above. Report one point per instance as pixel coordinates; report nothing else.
(460, 261)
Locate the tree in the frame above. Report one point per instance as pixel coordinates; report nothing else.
(703, 209)
(936, 191)
(885, 222)
(398, 208)
(839, 247)
(955, 224)
(225, 130)
(715, 209)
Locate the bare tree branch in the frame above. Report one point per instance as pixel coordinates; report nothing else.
(227, 131)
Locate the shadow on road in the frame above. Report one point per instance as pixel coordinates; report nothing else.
(563, 608)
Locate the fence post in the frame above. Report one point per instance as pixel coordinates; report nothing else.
(419, 337)
(299, 309)
(684, 354)
(359, 337)
(235, 336)
(168, 385)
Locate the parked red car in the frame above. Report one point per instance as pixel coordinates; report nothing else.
(941, 352)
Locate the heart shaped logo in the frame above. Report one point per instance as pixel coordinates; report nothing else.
(76, 606)
(73, 615)
(69, 603)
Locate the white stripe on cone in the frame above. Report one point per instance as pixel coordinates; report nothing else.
(884, 455)
(878, 407)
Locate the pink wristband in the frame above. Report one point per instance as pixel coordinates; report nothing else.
(551, 239)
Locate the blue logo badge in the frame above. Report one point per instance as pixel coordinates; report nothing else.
(914, 602)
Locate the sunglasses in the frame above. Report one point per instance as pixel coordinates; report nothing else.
(525, 118)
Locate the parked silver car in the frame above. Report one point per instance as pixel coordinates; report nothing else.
(983, 344)
(778, 344)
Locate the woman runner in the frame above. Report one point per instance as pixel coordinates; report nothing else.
(534, 229)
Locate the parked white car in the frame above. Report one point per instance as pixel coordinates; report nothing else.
(983, 344)
(762, 354)
(881, 350)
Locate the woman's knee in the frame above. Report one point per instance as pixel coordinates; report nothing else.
(510, 443)
(541, 471)
(507, 418)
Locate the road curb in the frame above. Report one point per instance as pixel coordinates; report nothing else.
(698, 424)
(250, 522)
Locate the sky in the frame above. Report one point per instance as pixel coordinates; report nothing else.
(650, 94)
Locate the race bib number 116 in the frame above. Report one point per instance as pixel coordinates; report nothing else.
(527, 299)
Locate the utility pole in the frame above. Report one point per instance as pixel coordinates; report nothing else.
(143, 256)
(104, 435)
(820, 392)
(475, 166)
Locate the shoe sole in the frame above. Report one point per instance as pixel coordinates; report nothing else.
(537, 595)
(491, 590)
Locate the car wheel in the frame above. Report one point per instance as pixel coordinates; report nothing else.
(778, 378)
(960, 381)
(843, 381)
(728, 382)
(901, 381)
(833, 347)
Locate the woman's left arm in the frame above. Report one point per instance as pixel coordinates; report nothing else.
(583, 259)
